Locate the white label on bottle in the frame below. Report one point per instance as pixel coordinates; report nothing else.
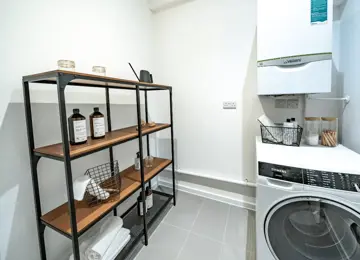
(137, 164)
(80, 134)
(149, 201)
(99, 127)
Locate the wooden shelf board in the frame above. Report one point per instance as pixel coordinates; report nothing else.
(110, 139)
(84, 79)
(159, 164)
(85, 215)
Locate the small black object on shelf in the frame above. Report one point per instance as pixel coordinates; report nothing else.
(288, 136)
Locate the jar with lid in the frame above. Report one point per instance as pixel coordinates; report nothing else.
(99, 70)
(312, 130)
(66, 65)
(329, 131)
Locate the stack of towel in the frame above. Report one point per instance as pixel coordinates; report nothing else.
(108, 244)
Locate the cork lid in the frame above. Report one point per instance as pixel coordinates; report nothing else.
(312, 118)
(329, 118)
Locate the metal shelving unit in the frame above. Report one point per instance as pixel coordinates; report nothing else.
(73, 218)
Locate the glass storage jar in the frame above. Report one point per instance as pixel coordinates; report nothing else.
(66, 65)
(312, 130)
(99, 70)
(329, 131)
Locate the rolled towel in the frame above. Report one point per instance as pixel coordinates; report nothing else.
(110, 223)
(82, 249)
(97, 191)
(120, 241)
(108, 232)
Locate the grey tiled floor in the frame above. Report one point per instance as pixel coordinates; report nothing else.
(199, 228)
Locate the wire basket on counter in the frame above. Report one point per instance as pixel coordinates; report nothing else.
(105, 183)
(289, 136)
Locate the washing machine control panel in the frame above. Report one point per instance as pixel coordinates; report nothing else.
(281, 172)
(332, 180)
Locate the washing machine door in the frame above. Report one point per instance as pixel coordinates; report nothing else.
(304, 228)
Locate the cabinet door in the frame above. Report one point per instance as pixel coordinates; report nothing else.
(285, 29)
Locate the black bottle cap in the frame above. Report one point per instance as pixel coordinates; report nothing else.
(96, 109)
(138, 154)
(288, 120)
(293, 119)
(76, 111)
(148, 191)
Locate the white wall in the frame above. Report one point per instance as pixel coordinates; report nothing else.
(350, 67)
(207, 50)
(37, 34)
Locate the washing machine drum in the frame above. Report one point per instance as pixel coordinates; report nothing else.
(306, 228)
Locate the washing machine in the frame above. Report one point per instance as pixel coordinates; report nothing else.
(308, 203)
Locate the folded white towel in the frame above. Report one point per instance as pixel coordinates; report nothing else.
(79, 187)
(122, 238)
(108, 232)
(82, 249)
(120, 241)
(110, 223)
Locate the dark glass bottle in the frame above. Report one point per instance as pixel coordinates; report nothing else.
(77, 128)
(97, 124)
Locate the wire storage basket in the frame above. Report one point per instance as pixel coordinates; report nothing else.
(105, 183)
(289, 136)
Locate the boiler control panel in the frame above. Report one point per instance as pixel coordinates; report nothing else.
(325, 179)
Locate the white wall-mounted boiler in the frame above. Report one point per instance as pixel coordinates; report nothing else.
(294, 41)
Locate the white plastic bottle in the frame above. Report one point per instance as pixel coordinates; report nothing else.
(295, 132)
(137, 162)
(287, 132)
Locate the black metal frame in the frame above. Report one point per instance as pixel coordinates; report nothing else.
(62, 79)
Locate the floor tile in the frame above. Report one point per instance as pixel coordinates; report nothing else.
(251, 232)
(164, 244)
(232, 253)
(185, 212)
(198, 247)
(211, 220)
(236, 228)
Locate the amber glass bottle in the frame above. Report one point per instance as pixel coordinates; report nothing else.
(77, 128)
(97, 124)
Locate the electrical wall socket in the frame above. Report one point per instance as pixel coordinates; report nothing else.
(229, 105)
(293, 103)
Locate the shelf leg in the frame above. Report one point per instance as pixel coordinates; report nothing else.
(33, 166)
(172, 145)
(147, 136)
(141, 162)
(67, 163)
(111, 152)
